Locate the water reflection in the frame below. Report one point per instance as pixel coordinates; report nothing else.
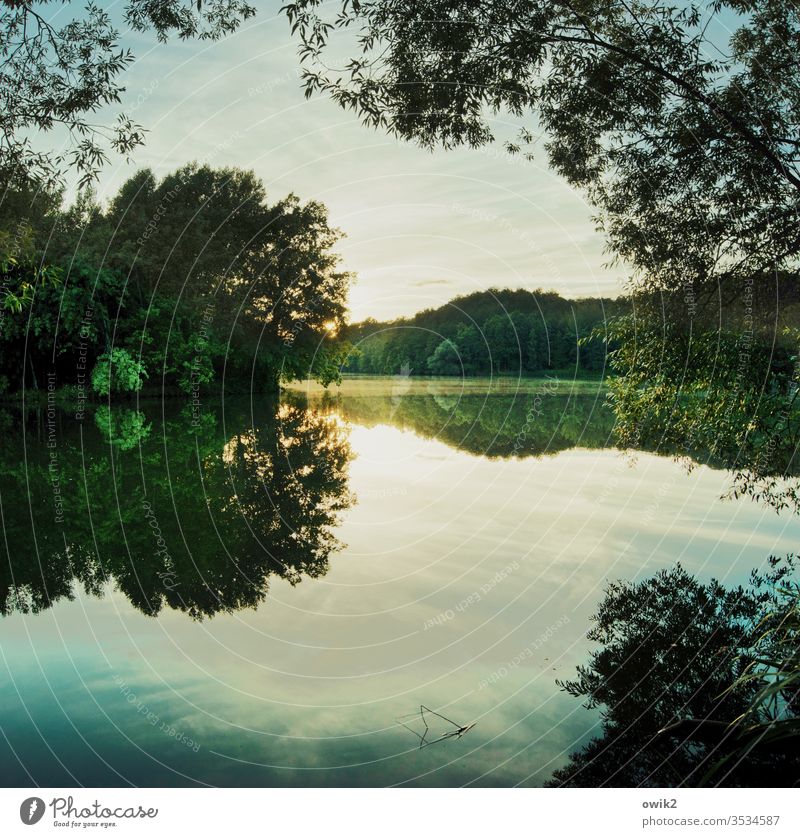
(672, 675)
(501, 425)
(473, 561)
(179, 514)
(502, 418)
(670, 648)
(176, 512)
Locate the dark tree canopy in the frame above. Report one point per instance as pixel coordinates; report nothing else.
(678, 675)
(681, 121)
(194, 275)
(58, 69)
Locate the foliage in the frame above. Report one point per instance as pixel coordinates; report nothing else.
(55, 75)
(445, 359)
(206, 252)
(116, 371)
(487, 332)
(325, 365)
(122, 427)
(65, 327)
(193, 275)
(20, 270)
(169, 342)
(688, 145)
(670, 678)
(772, 716)
(728, 389)
(682, 126)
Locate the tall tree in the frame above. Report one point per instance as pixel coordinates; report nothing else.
(686, 140)
(681, 122)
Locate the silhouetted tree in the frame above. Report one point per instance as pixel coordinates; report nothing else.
(667, 679)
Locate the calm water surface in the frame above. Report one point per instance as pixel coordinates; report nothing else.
(253, 593)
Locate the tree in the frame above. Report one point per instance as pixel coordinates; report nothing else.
(561, 344)
(472, 349)
(27, 213)
(520, 333)
(728, 392)
(689, 146)
(64, 327)
(669, 678)
(538, 351)
(204, 236)
(20, 270)
(686, 142)
(116, 371)
(504, 342)
(55, 75)
(772, 716)
(191, 275)
(188, 232)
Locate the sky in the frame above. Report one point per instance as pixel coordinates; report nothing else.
(421, 227)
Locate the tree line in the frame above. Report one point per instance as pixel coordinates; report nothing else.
(486, 333)
(172, 284)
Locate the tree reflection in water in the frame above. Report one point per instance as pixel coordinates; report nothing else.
(175, 513)
(667, 676)
(495, 426)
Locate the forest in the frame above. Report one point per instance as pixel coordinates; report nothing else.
(486, 333)
(170, 285)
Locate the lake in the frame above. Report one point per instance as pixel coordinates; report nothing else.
(251, 593)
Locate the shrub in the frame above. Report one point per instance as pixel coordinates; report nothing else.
(117, 371)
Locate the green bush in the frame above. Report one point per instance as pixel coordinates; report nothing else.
(117, 371)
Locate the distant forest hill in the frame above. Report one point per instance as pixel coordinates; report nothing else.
(486, 332)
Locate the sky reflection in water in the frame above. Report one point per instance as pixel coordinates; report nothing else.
(461, 575)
